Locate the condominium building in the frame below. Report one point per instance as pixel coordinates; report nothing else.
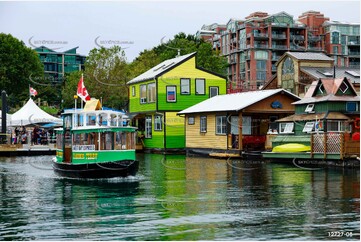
(253, 45)
(57, 64)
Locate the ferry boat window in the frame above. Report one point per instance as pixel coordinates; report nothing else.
(109, 141)
(67, 122)
(59, 141)
(113, 120)
(90, 119)
(120, 121)
(102, 119)
(119, 140)
(79, 120)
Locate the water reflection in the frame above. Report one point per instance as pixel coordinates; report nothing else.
(179, 198)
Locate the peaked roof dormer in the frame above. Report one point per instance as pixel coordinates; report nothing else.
(339, 89)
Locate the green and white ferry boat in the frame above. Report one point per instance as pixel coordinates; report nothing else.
(95, 143)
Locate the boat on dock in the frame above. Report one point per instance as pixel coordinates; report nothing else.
(95, 143)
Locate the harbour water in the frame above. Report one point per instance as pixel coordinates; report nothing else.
(175, 197)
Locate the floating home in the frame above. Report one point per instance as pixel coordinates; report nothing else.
(236, 122)
(158, 94)
(326, 120)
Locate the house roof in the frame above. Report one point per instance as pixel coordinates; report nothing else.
(314, 116)
(233, 102)
(309, 56)
(323, 72)
(161, 68)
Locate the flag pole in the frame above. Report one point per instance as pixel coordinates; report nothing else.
(29, 92)
(81, 102)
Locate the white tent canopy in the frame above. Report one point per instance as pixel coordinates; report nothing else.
(30, 114)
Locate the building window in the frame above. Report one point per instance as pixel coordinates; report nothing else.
(151, 92)
(203, 124)
(200, 86)
(337, 126)
(185, 86)
(261, 55)
(261, 65)
(335, 37)
(148, 127)
(308, 127)
(309, 108)
(143, 93)
(213, 91)
(335, 49)
(133, 91)
(286, 128)
(351, 107)
(246, 125)
(343, 87)
(171, 94)
(157, 123)
(221, 124)
(191, 120)
(288, 67)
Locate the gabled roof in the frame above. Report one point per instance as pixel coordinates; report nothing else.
(331, 86)
(305, 56)
(233, 102)
(340, 72)
(161, 68)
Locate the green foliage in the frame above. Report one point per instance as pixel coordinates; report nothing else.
(50, 110)
(17, 64)
(105, 77)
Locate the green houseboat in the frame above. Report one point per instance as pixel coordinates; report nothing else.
(95, 144)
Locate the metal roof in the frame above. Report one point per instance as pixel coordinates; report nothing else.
(233, 102)
(341, 72)
(309, 56)
(161, 68)
(329, 98)
(314, 116)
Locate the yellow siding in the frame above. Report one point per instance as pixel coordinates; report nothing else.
(196, 139)
(191, 72)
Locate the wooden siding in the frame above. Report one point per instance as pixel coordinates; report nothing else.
(134, 102)
(196, 139)
(264, 106)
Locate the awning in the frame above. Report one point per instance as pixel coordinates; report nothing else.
(313, 116)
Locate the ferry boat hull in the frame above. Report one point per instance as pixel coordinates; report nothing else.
(121, 168)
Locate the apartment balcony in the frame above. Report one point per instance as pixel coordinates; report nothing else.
(275, 57)
(296, 47)
(260, 46)
(297, 37)
(260, 36)
(354, 65)
(279, 36)
(279, 47)
(314, 38)
(314, 48)
(279, 25)
(354, 43)
(354, 54)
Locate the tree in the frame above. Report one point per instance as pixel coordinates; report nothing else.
(105, 77)
(17, 64)
(206, 57)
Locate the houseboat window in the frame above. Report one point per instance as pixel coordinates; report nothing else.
(309, 108)
(59, 141)
(213, 91)
(200, 86)
(90, 119)
(185, 86)
(143, 93)
(337, 126)
(148, 127)
(246, 125)
(171, 94)
(308, 127)
(191, 120)
(343, 87)
(286, 128)
(221, 124)
(157, 123)
(273, 125)
(351, 107)
(234, 125)
(133, 91)
(151, 92)
(203, 124)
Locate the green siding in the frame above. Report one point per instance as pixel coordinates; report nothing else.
(99, 156)
(185, 101)
(174, 131)
(134, 101)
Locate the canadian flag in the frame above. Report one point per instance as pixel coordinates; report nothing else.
(33, 92)
(82, 92)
